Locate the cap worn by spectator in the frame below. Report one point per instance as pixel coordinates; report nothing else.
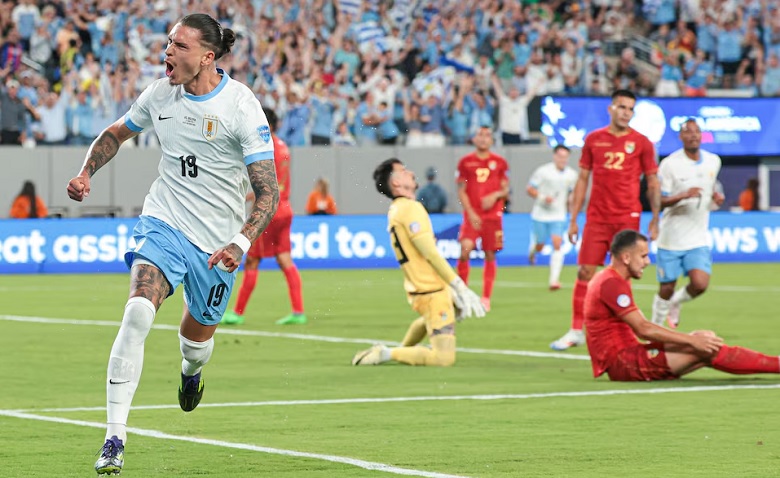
(430, 173)
(12, 83)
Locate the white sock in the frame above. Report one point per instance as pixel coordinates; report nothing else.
(385, 354)
(556, 264)
(681, 295)
(194, 354)
(125, 364)
(660, 309)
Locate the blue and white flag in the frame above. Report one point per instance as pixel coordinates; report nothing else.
(350, 7)
(370, 34)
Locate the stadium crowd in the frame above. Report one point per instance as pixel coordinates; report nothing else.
(346, 72)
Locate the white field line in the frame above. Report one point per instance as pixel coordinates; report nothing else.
(339, 401)
(716, 288)
(318, 338)
(368, 465)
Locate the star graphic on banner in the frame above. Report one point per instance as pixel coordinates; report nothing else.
(547, 129)
(552, 110)
(573, 137)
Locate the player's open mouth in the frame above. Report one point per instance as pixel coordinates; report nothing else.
(168, 69)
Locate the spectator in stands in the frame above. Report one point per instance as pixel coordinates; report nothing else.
(387, 130)
(748, 198)
(28, 205)
(11, 52)
(80, 117)
(432, 122)
(26, 15)
(320, 201)
(52, 128)
(366, 121)
(41, 45)
(343, 136)
(671, 79)
(414, 137)
(12, 114)
(729, 51)
(293, 129)
(626, 73)
(323, 105)
(513, 113)
(770, 82)
(571, 67)
(699, 73)
(595, 69)
(457, 117)
(432, 196)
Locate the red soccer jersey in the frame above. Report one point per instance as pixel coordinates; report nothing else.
(608, 299)
(617, 163)
(282, 164)
(482, 177)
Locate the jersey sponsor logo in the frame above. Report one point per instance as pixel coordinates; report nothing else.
(414, 227)
(623, 300)
(630, 147)
(652, 353)
(265, 133)
(209, 129)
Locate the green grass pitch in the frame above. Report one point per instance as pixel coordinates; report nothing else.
(284, 401)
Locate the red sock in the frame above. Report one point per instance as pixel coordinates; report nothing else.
(488, 277)
(247, 286)
(463, 270)
(739, 360)
(578, 304)
(295, 288)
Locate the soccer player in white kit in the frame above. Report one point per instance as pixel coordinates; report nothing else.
(212, 131)
(550, 185)
(688, 178)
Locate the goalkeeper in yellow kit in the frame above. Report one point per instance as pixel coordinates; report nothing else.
(433, 288)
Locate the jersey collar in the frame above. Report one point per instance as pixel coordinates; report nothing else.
(213, 92)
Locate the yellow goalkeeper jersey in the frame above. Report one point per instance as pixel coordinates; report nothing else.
(407, 219)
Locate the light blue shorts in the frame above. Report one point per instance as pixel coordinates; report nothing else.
(671, 264)
(205, 291)
(543, 230)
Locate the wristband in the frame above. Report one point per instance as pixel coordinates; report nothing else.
(242, 242)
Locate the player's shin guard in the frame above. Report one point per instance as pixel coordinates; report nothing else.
(740, 361)
(556, 265)
(194, 354)
(125, 364)
(441, 353)
(578, 304)
(489, 277)
(463, 270)
(295, 288)
(415, 333)
(660, 309)
(247, 286)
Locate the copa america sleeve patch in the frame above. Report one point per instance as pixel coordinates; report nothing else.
(623, 300)
(414, 227)
(265, 133)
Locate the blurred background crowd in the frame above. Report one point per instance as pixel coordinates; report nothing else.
(413, 72)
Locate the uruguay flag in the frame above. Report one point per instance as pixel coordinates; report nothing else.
(350, 7)
(370, 33)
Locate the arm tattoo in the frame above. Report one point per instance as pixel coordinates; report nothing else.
(262, 176)
(103, 149)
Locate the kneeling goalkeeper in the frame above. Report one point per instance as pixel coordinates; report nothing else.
(431, 285)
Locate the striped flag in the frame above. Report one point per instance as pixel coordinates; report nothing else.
(370, 33)
(351, 7)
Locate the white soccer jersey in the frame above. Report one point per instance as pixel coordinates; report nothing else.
(206, 143)
(684, 225)
(552, 182)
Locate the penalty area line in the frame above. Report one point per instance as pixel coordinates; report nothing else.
(367, 465)
(337, 401)
(317, 338)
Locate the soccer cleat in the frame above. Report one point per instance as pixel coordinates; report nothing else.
(112, 457)
(485, 301)
(673, 319)
(532, 258)
(190, 392)
(372, 356)
(292, 319)
(231, 318)
(572, 338)
(555, 286)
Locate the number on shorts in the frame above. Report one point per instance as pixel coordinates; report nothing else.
(216, 295)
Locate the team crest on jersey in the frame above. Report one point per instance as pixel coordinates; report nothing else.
(210, 124)
(652, 353)
(630, 147)
(265, 133)
(623, 300)
(492, 165)
(414, 227)
(444, 316)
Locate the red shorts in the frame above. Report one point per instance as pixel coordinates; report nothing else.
(596, 239)
(642, 363)
(492, 233)
(275, 239)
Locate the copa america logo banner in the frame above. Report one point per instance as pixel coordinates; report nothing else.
(730, 126)
(337, 242)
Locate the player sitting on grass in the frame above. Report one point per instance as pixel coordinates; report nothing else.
(613, 322)
(431, 284)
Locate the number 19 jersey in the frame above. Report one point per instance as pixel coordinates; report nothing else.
(207, 141)
(616, 163)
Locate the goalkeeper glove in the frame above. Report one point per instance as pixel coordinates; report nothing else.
(467, 303)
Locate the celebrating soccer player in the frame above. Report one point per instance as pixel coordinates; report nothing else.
(273, 242)
(192, 229)
(613, 323)
(483, 187)
(617, 156)
(688, 178)
(550, 185)
(430, 283)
